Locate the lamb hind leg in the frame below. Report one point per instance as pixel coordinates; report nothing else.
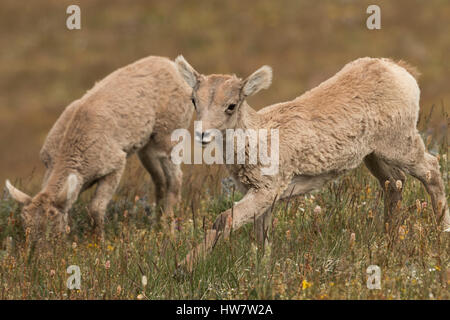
(387, 177)
(426, 169)
(414, 160)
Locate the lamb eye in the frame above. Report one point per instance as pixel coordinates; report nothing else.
(193, 102)
(231, 107)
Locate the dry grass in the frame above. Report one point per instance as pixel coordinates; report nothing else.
(315, 254)
(322, 255)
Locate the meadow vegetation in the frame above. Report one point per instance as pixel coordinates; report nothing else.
(321, 246)
(321, 243)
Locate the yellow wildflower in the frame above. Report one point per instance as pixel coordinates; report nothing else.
(306, 284)
(402, 232)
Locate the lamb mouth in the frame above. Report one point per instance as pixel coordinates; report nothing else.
(205, 143)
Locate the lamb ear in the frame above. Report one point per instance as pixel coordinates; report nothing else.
(186, 71)
(68, 190)
(260, 79)
(16, 194)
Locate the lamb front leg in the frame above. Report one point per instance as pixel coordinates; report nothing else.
(254, 204)
(102, 196)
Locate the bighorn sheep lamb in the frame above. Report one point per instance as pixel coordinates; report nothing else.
(134, 109)
(367, 112)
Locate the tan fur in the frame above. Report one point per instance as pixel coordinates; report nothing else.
(367, 112)
(411, 69)
(134, 109)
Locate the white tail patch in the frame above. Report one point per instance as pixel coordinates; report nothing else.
(16, 194)
(8, 185)
(68, 190)
(72, 182)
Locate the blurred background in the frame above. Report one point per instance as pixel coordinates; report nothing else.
(44, 66)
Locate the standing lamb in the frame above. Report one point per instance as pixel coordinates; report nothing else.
(367, 112)
(134, 109)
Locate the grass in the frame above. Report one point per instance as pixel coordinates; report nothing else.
(322, 244)
(322, 255)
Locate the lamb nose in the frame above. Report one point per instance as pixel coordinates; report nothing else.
(201, 135)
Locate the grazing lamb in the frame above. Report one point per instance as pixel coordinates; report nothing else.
(367, 112)
(134, 109)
